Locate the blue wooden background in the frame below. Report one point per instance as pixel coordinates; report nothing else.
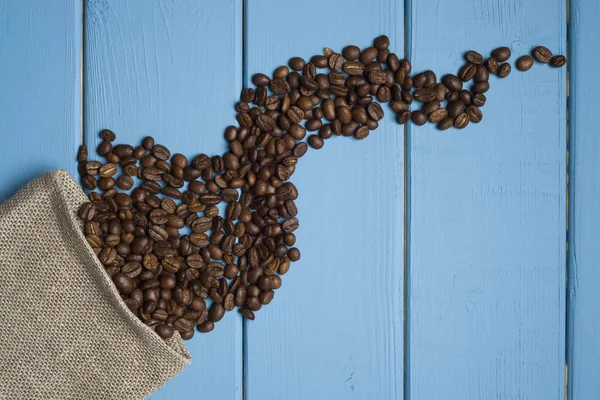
(435, 264)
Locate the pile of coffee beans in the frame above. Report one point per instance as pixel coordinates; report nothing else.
(174, 280)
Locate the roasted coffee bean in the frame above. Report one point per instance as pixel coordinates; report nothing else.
(504, 70)
(481, 74)
(558, 61)
(206, 326)
(430, 79)
(524, 63)
(440, 91)
(164, 331)
(455, 108)
(452, 82)
(87, 211)
(123, 283)
(467, 72)
(104, 148)
(445, 124)
(375, 111)
(107, 134)
(425, 95)
(473, 57)
(474, 113)
(216, 313)
(315, 141)
(542, 54)
(431, 106)
(381, 42)
(481, 87)
(418, 118)
(492, 65)
(465, 96)
(438, 115)
(403, 117)
(123, 150)
(479, 99)
(501, 54)
(461, 121)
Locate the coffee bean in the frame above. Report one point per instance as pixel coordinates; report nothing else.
(431, 106)
(107, 134)
(104, 148)
(455, 108)
(445, 124)
(430, 79)
(438, 115)
(425, 95)
(335, 61)
(123, 283)
(473, 57)
(492, 65)
(419, 80)
(479, 99)
(164, 331)
(504, 70)
(122, 150)
(319, 61)
(315, 141)
(524, 63)
(501, 54)
(452, 82)
(465, 96)
(295, 63)
(481, 74)
(474, 114)
(467, 72)
(542, 54)
(351, 53)
(368, 55)
(375, 111)
(247, 313)
(481, 87)
(206, 326)
(418, 118)
(558, 61)
(381, 42)
(461, 121)
(403, 117)
(87, 211)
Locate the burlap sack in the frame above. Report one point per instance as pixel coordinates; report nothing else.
(64, 331)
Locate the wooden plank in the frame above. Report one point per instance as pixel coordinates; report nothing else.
(171, 70)
(487, 213)
(40, 95)
(334, 330)
(584, 225)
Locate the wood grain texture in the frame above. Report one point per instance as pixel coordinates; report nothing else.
(40, 89)
(584, 226)
(487, 213)
(334, 330)
(171, 70)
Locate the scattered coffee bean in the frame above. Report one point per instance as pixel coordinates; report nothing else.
(558, 61)
(501, 54)
(524, 63)
(504, 70)
(542, 54)
(236, 258)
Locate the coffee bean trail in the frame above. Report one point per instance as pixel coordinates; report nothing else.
(236, 259)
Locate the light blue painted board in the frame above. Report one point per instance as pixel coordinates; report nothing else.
(171, 70)
(40, 89)
(584, 202)
(487, 213)
(334, 330)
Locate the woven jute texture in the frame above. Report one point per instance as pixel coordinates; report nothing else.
(64, 331)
